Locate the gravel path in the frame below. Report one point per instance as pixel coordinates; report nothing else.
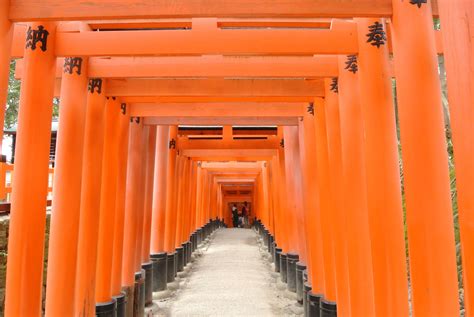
(231, 276)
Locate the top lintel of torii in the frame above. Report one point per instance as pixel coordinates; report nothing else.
(75, 10)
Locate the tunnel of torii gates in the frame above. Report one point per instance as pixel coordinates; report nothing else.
(132, 186)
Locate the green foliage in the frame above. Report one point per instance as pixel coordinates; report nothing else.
(13, 99)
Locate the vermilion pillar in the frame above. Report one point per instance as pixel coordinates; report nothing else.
(425, 162)
(132, 198)
(294, 193)
(283, 242)
(6, 33)
(355, 196)
(384, 196)
(28, 207)
(159, 191)
(327, 211)
(140, 211)
(90, 199)
(457, 29)
(170, 220)
(150, 173)
(124, 127)
(311, 201)
(64, 230)
(338, 214)
(108, 197)
(180, 177)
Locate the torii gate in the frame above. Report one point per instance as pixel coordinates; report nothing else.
(362, 151)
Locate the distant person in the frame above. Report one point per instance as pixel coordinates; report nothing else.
(235, 216)
(245, 214)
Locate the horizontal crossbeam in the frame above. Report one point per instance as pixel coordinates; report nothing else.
(30, 10)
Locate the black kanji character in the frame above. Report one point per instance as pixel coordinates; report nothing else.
(282, 143)
(351, 63)
(335, 85)
(34, 36)
(73, 62)
(311, 108)
(376, 34)
(172, 144)
(95, 83)
(418, 2)
(123, 107)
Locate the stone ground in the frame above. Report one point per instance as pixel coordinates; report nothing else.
(230, 275)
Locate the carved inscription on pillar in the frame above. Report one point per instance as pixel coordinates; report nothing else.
(95, 84)
(351, 63)
(310, 108)
(71, 64)
(418, 3)
(35, 37)
(334, 85)
(376, 35)
(172, 144)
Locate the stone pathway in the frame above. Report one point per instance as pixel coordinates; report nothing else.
(230, 276)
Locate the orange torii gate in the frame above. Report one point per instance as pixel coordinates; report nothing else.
(354, 137)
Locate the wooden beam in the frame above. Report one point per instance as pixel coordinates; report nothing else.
(218, 109)
(32, 10)
(206, 66)
(204, 39)
(186, 144)
(230, 155)
(215, 87)
(203, 121)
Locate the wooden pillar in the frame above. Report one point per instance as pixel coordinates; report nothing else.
(326, 206)
(383, 171)
(64, 228)
(90, 199)
(124, 132)
(132, 198)
(312, 200)
(338, 216)
(140, 211)
(458, 30)
(150, 173)
(283, 243)
(108, 199)
(28, 207)
(355, 196)
(425, 162)
(6, 34)
(159, 191)
(180, 178)
(170, 226)
(297, 243)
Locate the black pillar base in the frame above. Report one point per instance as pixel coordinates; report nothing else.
(190, 250)
(128, 291)
(283, 265)
(148, 268)
(106, 309)
(170, 267)
(199, 236)
(300, 267)
(328, 308)
(159, 271)
(120, 305)
(306, 290)
(180, 263)
(292, 259)
(277, 259)
(270, 243)
(185, 253)
(139, 295)
(314, 302)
